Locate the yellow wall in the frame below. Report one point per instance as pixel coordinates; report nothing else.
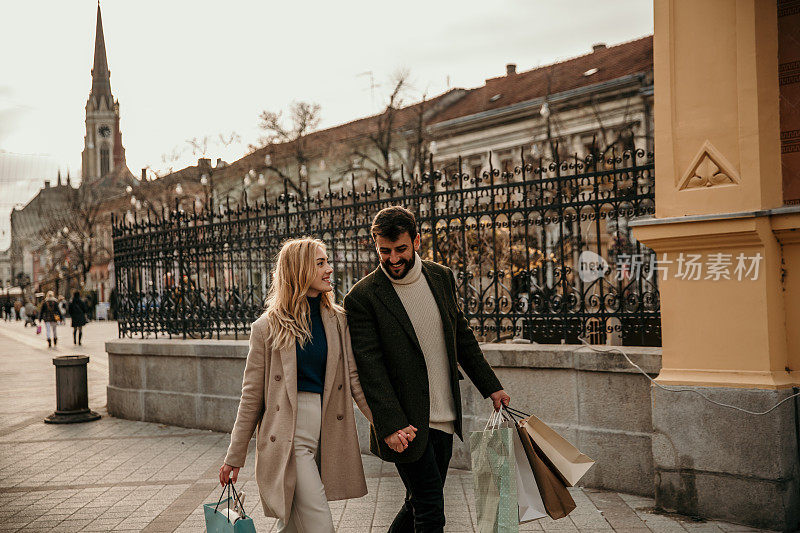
(718, 157)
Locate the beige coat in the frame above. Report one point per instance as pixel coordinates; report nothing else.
(269, 406)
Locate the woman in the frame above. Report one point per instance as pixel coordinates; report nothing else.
(49, 314)
(77, 312)
(298, 381)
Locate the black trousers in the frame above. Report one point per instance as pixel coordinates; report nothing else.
(423, 510)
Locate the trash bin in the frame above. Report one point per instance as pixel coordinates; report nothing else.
(72, 394)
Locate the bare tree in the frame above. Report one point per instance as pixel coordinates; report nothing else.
(200, 145)
(381, 150)
(70, 230)
(303, 118)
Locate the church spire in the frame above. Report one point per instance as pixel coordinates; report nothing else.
(101, 77)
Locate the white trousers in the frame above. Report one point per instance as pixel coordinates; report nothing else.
(310, 511)
(51, 326)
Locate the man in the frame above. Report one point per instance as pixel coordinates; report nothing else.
(408, 335)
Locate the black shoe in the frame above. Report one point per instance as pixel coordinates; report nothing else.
(55, 341)
(48, 343)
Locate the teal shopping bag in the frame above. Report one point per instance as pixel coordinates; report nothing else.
(495, 475)
(221, 517)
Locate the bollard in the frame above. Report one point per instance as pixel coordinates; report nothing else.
(72, 394)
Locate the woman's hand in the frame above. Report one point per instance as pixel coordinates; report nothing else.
(228, 473)
(398, 441)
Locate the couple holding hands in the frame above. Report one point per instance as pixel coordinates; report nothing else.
(394, 349)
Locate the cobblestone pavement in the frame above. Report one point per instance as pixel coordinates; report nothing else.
(119, 475)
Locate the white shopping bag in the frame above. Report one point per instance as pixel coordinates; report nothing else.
(531, 506)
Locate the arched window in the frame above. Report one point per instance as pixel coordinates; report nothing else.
(105, 161)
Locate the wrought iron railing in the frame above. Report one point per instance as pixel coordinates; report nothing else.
(539, 251)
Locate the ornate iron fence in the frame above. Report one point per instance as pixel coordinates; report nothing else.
(541, 251)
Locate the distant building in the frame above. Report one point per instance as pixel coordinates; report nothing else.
(5, 269)
(103, 156)
(605, 97)
(35, 240)
(41, 255)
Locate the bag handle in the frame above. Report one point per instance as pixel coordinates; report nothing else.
(241, 504)
(516, 411)
(490, 421)
(230, 487)
(228, 501)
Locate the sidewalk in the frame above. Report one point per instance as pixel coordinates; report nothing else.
(119, 475)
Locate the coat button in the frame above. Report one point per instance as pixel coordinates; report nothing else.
(339, 417)
(277, 378)
(340, 386)
(272, 438)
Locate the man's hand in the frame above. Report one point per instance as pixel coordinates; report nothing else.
(500, 398)
(398, 441)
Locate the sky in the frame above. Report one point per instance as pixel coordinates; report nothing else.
(190, 69)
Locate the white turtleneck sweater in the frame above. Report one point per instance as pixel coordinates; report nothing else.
(420, 305)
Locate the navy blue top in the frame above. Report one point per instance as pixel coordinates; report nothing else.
(312, 358)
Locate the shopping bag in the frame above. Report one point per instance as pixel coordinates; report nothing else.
(493, 470)
(564, 459)
(557, 500)
(221, 517)
(38, 329)
(529, 500)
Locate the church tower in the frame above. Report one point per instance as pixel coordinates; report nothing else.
(103, 153)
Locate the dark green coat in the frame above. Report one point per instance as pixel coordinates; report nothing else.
(390, 363)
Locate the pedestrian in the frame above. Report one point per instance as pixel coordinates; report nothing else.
(30, 313)
(49, 314)
(62, 305)
(296, 395)
(77, 313)
(409, 335)
(17, 308)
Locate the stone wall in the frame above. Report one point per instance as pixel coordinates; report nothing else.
(595, 400)
(193, 384)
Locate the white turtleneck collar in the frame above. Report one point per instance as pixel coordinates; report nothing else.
(411, 276)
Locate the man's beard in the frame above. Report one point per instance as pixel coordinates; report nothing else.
(408, 266)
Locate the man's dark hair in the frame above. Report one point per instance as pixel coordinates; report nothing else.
(393, 221)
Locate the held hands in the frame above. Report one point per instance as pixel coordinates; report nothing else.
(500, 398)
(228, 474)
(398, 441)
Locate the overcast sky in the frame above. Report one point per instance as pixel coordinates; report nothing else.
(184, 69)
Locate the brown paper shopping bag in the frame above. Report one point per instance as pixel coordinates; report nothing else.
(557, 500)
(565, 459)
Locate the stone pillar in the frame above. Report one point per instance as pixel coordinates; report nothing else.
(731, 324)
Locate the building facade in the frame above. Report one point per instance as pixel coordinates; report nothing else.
(59, 240)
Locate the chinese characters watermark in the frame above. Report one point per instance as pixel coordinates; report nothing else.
(686, 266)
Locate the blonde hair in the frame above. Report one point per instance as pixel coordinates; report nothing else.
(287, 310)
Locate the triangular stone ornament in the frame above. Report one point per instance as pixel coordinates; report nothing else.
(709, 168)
